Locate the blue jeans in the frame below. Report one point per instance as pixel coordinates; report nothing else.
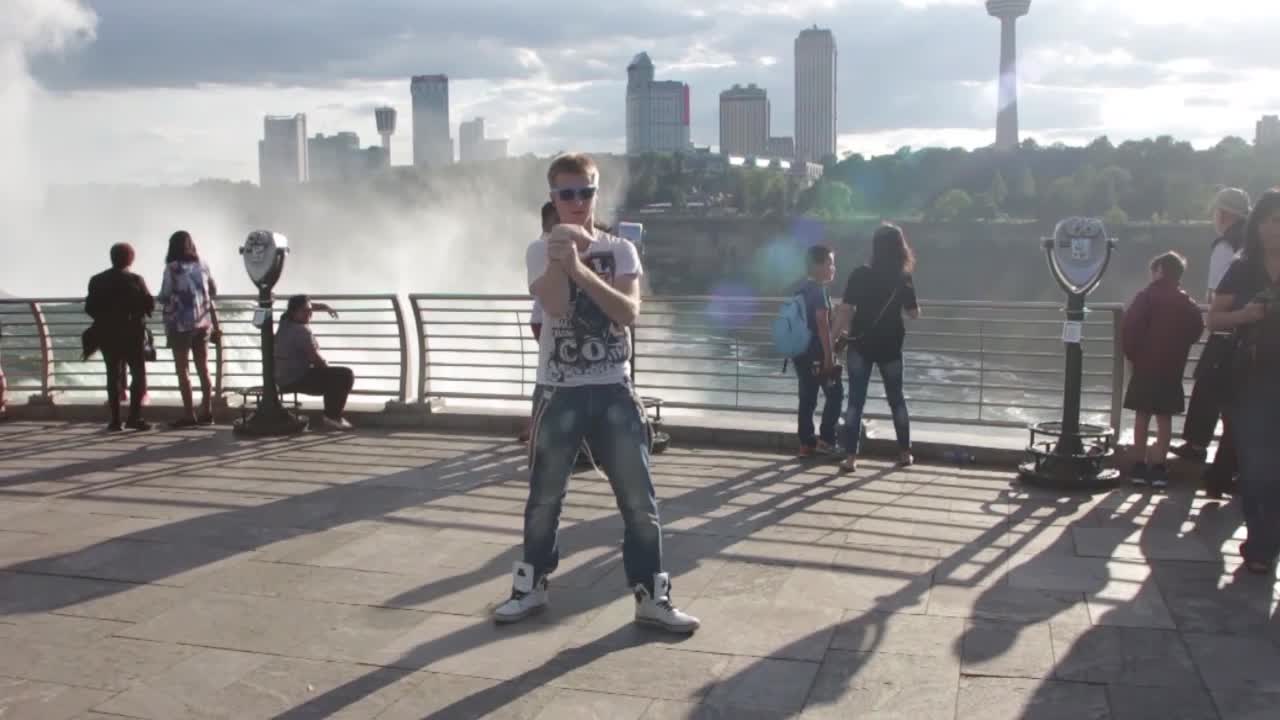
(809, 385)
(612, 421)
(1254, 421)
(859, 378)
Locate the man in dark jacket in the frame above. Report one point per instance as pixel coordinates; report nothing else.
(120, 303)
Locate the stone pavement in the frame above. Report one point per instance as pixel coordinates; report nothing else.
(185, 574)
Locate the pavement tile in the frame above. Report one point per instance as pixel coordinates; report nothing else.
(1122, 656)
(1189, 702)
(883, 685)
(33, 700)
(993, 698)
(1003, 649)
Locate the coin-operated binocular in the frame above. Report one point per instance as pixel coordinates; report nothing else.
(1067, 453)
(264, 254)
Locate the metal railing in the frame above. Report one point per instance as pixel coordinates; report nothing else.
(971, 362)
(975, 363)
(42, 349)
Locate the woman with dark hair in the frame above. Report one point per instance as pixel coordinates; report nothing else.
(876, 299)
(190, 322)
(302, 369)
(120, 303)
(1247, 301)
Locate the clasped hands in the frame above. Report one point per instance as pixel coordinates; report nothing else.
(562, 248)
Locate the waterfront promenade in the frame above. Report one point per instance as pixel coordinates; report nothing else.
(189, 574)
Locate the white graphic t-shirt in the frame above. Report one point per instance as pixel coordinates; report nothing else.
(585, 347)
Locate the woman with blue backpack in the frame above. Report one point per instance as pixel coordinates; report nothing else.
(190, 322)
(876, 299)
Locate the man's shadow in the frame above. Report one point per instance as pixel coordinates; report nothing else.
(794, 499)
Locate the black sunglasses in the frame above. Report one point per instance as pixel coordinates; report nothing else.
(568, 194)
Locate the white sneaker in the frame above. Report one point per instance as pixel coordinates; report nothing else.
(528, 596)
(339, 424)
(657, 609)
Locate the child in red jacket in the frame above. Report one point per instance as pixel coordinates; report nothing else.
(1160, 326)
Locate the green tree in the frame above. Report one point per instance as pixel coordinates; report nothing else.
(951, 205)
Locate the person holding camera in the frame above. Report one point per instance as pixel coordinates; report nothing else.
(816, 368)
(1247, 302)
(190, 322)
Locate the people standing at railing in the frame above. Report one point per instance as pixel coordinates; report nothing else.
(190, 322)
(1247, 303)
(120, 303)
(588, 282)
(1231, 209)
(877, 298)
(1160, 326)
(300, 368)
(816, 368)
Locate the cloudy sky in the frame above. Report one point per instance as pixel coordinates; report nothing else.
(169, 91)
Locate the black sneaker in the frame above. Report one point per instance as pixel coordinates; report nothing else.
(138, 425)
(1138, 474)
(114, 427)
(1187, 451)
(1159, 477)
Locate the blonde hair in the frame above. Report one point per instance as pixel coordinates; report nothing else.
(572, 164)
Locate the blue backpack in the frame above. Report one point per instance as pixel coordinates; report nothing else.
(791, 335)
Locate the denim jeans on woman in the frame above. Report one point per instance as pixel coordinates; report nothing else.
(1254, 421)
(613, 423)
(859, 379)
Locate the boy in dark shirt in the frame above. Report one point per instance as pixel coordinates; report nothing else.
(1160, 326)
(816, 368)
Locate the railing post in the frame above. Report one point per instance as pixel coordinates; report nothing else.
(46, 355)
(219, 358)
(1117, 368)
(421, 329)
(982, 365)
(404, 348)
(523, 362)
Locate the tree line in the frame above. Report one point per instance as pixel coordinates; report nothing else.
(1159, 180)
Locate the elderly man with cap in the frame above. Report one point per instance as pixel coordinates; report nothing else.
(1231, 209)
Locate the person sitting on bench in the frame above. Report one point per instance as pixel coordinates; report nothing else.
(301, 369)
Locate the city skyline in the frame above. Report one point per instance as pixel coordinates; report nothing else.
(911, 72)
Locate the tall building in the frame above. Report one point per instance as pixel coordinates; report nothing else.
(282, 152)
(339, 158)
(781, 147)
(1268, 132)
(1008, 11)
(473, 146)
(815, 95)
(744, 121)
(333, 158)
(657, 111)
(432, 145)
